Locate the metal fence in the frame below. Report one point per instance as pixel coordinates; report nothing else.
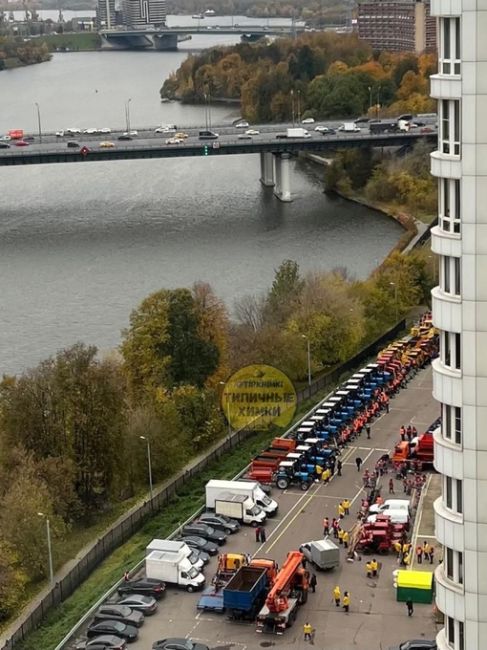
(70, 578)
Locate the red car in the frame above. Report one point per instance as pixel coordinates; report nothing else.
(21, 143)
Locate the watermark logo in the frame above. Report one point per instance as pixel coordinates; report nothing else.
(259, 396)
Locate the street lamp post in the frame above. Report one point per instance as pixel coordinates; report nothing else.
(308, 344)
(127, 114)
(149, 463)
(377, 107)
(370, 99)
(299, 106)
(49, 546)
(292, 105)
(393, 284)
(39, 121)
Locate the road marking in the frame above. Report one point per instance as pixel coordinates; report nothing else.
(291, 521)
(417, 523)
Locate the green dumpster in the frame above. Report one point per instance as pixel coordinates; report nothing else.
(415, 585)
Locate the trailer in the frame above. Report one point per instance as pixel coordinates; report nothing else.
(322, 553)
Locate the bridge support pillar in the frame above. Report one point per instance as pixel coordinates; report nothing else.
(282, 187)
(267, 169)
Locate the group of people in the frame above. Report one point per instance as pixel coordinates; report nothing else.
(341, 601)
(260, 535)
(408, 432)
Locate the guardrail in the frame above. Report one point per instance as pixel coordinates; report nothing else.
(129, 523)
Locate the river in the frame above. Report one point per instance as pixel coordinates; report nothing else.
(81, 245)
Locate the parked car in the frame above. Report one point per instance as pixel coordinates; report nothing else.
(103, 642)
(219, 522)
(203, 530)
(121, 613)
(202, 555)
(193, 541)
(117, 628)
(145, 586)
(178, 644)
(416, 644)
(139, 602)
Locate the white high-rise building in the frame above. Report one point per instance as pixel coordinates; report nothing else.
(141, 13)
(460, 313)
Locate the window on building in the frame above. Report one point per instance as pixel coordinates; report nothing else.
(457, 284)
(446, 274)
(450, 631)
(460, 571)
(459, 495)
(446, 418)
(450, 276)
(450, 46)
(458, 424)
(446, 349)
(449, 204)
(461, 641)
(450, 126)
(451, 417)
(451, 350)
(458, 352)
(448, 492)
(449, 563)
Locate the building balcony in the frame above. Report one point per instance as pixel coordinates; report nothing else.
(448, 456)
(446, 86)
(450, 597)
(449, 526)
(446, 243)
(447, 310)
(446, 8)
(445, 166)
(447, 383)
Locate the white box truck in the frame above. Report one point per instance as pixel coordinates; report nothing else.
(172, 546)
(173, 568)
(237, 506)
(248, 488)
(297, 132)
(349, 127)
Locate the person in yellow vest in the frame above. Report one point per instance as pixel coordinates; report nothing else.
(345, 538)
(341, 510)
(346, 602)
(374, 565)
(337, 595)
(308, 631)
(368, 569)
(397, 547)
(325, 476)
(346, 506)
(341, 532)
(318, 471)
(406, 559)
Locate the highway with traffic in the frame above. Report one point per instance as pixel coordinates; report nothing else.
(162, 142)
(375, 621)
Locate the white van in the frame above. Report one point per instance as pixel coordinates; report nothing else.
(390, 504)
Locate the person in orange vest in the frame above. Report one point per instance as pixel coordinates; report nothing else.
(326, 527)
(419, 554)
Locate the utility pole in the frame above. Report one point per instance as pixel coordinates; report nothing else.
(39, 121)
(49, 547)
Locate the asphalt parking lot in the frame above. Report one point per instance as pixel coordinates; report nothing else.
(376, 621)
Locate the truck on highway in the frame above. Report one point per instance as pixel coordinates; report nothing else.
(236, 506)
(172, 546)
(349, 127)
(289, 590)
(249, 489)
(246, 592)
(294, 132)
(173, 568)
(322, 553)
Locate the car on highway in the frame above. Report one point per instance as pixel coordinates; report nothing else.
(103, 642)
(72, 131)
(117, 628)
(91, 131)
(105, 129)
(182, 135)
(220, 522)
(145, 586)
(72, 144)
(125, 136)
(174, 141)
(4, 145)
(242, 125)
(139, 602)
(200, 543)
(60, 134)
(21, 143)
(207, 135)
(121, 613)
(133, 133)
(169, 128)
(416, 644)
(29, 138)
(362, 120)
(244, 136)
(205, 531)
(5, 138)
(322, 129)
(308, 120)
(106, 144)
(252, 132)
(178, 644)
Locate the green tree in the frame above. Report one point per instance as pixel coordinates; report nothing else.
(12, 580)
(285, 292)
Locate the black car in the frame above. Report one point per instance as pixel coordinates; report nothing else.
(416, 644)
(121, 613)
(145, 604)
(117, 628)
(178, 644)
(219, 522)
(124, 137)
(4, 145)
(28, 138)
(329, 132)
(203, 530)
(104, 642)
(199, 543)
(199, 555)
(146, 586)
(72, 144)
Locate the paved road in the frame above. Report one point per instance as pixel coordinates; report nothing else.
(375, 621)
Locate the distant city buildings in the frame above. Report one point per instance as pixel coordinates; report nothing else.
(143, 13)
(105, 14)
(397, 25)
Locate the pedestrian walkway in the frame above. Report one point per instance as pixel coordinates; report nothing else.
(424, 529)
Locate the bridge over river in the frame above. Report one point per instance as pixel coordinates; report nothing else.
(275, 151)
